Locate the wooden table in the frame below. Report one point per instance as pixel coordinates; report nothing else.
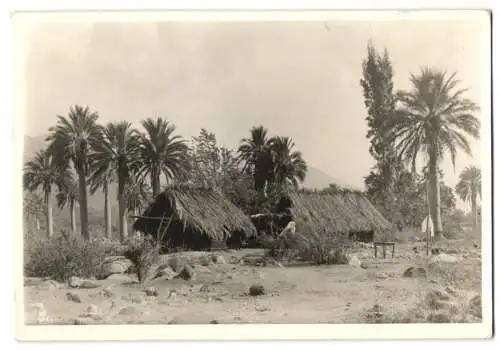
(384, 245)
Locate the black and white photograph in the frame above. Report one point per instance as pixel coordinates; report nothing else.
(241, 168)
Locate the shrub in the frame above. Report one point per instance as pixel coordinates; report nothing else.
(144, 253)
(318, 248)
(62, 257)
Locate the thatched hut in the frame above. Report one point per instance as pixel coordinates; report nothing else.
(347, 213)
(193, 217)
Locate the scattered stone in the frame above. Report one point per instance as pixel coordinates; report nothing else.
(439, 318)
(475, 306)
(415, 272)
(364, 265)
(262, 308)
(114, 265)
(187, 273)
(437, 299)
(130, 310)
(214, 322)
(433, 281)
(73, 297)
(256, 289)
(381, 276)
(166, 273)
(205, 288)
(218, 259)
(436, 251)
(451, 291)
(107, 293)
(120, 278)
(151, 292)
(49, 284)
(353, 261)
(76, 282)
(205, 260)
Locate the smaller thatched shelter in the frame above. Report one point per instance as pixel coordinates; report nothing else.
(193, 217)
(349, 213)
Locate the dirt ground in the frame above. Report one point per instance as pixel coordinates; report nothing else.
(219, 292)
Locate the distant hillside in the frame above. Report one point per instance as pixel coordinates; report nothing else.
(318, 179)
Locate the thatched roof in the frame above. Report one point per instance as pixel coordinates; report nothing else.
(336, 213)
(200, 209)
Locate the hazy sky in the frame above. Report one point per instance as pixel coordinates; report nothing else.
(299, 79)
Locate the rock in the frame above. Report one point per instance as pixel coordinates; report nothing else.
(114, 265)
(120, 278)
(415, 272)
(73, 297)
(129, 311)
(218, 259)
(364, 265)
(205, 288)
(256, 289)
(205, 260)
(166, 273)
(438, 318)
(353, 261)
(437, 299)
(187, 273)
(475, 306)
(49, 284)
(91, 311)
(214, 322)
(107, 293)
(77, 282)
(381, 276)
(436, 251)
(151, 292)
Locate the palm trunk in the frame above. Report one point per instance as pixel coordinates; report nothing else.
(155, 182)
(107, 211)
(474, 208)
(84, 214)
(72, 216)
(122, 209)
(434, 194)
(48, 214)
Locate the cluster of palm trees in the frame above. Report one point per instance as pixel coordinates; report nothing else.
(272, 161)
(83, 156)
(431, 119)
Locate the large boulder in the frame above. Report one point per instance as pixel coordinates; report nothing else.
(114, 265)
(415, 272)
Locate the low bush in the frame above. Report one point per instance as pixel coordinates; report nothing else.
(314, 247)
(144, 253)
(65, 256)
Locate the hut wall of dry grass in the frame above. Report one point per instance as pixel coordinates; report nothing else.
(199, 215)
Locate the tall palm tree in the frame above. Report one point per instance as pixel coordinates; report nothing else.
(71, 142)
(254, 152)
(102, 179)
(118, 151)
(432, 118)
(289, 167)
(160, 152)
(41, 173)
(67, 195)
(469, 188)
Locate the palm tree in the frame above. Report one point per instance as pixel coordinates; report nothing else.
(117, 151)
(432, 118)
(41, 173)
(101, 178)
(289, 168)
(254, 152)
(469, 188)
(138, 194)
(160, 151)
(68, 195)
(71, 142)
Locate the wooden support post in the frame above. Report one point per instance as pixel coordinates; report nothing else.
(375, 247)
(393, 246)
(383, 247)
